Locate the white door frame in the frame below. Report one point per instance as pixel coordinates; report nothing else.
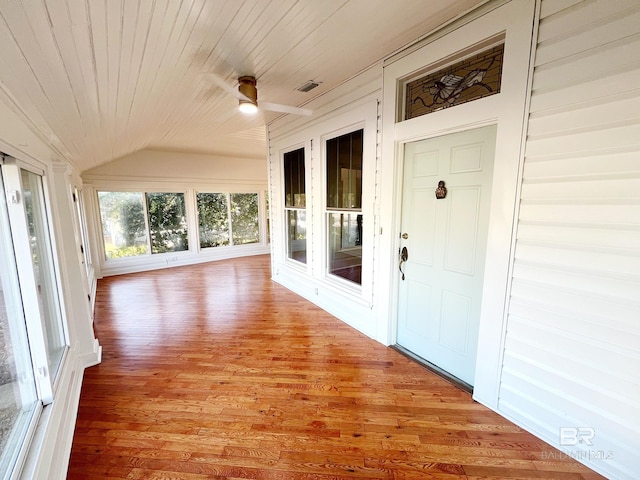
(514, 20)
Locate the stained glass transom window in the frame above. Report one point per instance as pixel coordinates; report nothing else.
(475, 77)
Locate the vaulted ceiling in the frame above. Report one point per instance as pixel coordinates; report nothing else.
(99, 79)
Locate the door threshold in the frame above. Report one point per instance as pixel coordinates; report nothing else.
(462, 385)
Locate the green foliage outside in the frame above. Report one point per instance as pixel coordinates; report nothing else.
(213, 219)
(125, 228)
(244, 218)
(167, 222)
(131, 251)
(123, 223)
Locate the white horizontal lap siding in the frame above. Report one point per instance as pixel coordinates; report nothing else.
(572, 349)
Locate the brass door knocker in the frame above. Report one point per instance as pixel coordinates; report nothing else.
(441, 191)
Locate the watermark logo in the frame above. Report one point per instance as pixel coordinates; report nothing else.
(581, 438)
(572, 436)
(580, 455)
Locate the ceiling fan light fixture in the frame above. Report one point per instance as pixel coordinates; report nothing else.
(248, 102)
(247, 107)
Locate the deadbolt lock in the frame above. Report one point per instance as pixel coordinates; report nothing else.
(405, 235)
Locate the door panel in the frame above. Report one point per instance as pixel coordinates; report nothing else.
(441, 294)
(423, 229)
(461, 241)
(455, 321)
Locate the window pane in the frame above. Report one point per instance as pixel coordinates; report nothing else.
(213, 219)
(244, 218)
(344, 171)
(297, 235)
(294, 189)
(17, 386)
(345, 246)
(167, 222)
(294, 182)
(268, 215)
(82, 224)
(123, 224)
(41, 254)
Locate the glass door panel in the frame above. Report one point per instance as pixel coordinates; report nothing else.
(18, 396)
(41, 255)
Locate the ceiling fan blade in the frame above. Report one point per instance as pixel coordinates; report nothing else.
(277, 107)
(224, 85)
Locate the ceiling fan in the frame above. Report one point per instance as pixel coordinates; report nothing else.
(247, 95)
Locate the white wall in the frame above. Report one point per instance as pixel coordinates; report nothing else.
(572, 352)
(159, 165)
(169, 171)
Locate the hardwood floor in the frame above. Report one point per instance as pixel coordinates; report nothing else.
(214, 371)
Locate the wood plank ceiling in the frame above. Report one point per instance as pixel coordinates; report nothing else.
(99, 79)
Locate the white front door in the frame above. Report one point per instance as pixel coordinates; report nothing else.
(445, 240)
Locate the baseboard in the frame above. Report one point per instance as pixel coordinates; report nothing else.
(94, 357)
(49, 451)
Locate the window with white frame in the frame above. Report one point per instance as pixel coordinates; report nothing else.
(33, 340)
(295, 205)
(81, 218)
(213, 219)
(244, 218)
(226, 219)
(344, 205)
(43, 268)
(124, 226)
(136, 223)
(167, 218)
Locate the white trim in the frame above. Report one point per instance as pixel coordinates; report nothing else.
(28, 281)
(18, 440)
(93, 357)
(306, 148)
(508, 111)
(280, 253)
(356, 289)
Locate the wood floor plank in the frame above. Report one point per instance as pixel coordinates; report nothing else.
(214, 371)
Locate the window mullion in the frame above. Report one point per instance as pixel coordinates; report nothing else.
(229, 217)
(83, 231)
(28, 283)
(147, 223)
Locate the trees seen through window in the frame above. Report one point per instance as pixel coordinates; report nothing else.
(138, 223)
